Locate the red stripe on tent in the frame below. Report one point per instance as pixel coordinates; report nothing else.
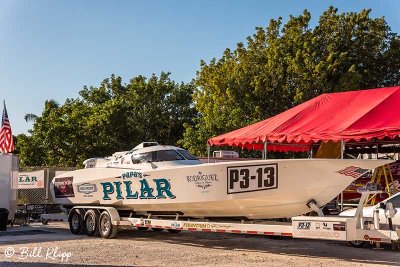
(252, 232)
(206, 230)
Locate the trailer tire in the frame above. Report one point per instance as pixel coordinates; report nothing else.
(357, 243)
(45, 222)
(107, 229)
(143, 228)
(75, 220)
(91, 223)
(157, 229)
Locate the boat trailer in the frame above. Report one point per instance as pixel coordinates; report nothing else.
(339, 228)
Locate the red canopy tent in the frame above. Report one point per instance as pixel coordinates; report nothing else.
(348, 116)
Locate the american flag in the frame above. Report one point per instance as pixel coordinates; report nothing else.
(352, 171)
(6, 137)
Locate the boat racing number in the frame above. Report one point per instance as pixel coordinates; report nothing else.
(252, 178)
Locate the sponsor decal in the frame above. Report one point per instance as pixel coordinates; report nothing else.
(304, 225)
(353, 171)
(63, 187)
(202, 181)
(139, 189)
(339, 227)
(87, 188)
(205, 225)
(319, 234)
(175, 225)
(252, 178)
(325, 226)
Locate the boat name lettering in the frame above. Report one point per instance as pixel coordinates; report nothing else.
(127, 175)
(206, 225)
(252, 178)
(125, 190)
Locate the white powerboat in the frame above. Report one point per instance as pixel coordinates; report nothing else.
(166, 180)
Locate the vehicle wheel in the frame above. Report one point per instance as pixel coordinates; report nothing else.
(107, 229)
(143, 228)
(92, 223)
(357, 243)
(157, 229)
(75, 220)
(174, 231)
(45, 222)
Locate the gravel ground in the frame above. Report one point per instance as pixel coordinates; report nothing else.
(147, 248)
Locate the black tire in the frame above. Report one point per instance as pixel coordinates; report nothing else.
(174, 231)
(106, 228)
(143, 228)
(45, 222)
(92, 223)
(75, 220)
(157, 229)
(357, 243)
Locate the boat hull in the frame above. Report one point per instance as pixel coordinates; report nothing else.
(253, 189)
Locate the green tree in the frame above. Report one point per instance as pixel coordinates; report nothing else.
(282, 66)
(109, 118)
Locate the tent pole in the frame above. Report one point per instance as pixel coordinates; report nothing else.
(208, 153)
(265, 150)
(342, 147)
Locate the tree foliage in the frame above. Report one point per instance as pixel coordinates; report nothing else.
(111, 117)
(282, 66)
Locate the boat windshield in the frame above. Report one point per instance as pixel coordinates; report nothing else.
(187, 155)
(162, 155)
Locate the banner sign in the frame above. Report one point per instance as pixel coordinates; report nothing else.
(28, 180)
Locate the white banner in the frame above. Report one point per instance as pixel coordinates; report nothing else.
(27, 180)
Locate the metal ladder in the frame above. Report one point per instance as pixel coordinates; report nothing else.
(385, 173)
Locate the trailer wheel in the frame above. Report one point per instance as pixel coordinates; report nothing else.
(157, 229)
(75, 220)
(92, 223)
(143, 228)
(174, 231)
(107, 229)
(357, 243)
(45, 222)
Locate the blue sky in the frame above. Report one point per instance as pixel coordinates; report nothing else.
(51, 49)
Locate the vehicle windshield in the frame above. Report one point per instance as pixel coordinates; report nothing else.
(162, 155)
(166, 155)
(187, 155)
(395, 201)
